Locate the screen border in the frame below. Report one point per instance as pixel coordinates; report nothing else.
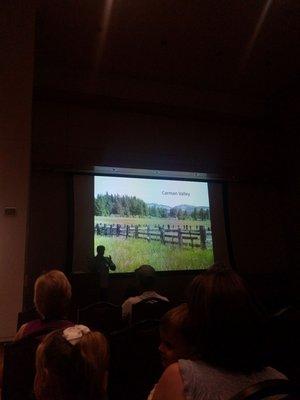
(153, 174)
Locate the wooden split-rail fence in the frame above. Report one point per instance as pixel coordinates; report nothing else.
(182, 236)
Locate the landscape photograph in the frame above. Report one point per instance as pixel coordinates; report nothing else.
(164, 223)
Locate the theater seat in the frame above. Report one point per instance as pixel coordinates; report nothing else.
(102, 316)
(19, 366)
(272, 387)
(151, 308)
(135, 364)
(26, 316)
(284, 342)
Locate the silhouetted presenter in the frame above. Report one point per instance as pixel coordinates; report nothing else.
(102, 265)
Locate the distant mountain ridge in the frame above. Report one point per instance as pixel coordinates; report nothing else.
(183, 207)
(159, 206)
(188, 208)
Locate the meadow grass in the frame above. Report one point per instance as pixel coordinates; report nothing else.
(129, 254)
(152, 221)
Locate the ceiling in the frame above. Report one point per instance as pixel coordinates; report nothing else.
(231, 56)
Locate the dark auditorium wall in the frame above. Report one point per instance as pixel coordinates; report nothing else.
(16, 76)
(288, 109)
(75, 136)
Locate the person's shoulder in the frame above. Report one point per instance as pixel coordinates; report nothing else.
(127, 306)
(28, 328)
(170, 385)
(159, 296)
(164, 298)
(173, 370)
(272, 373)
(100, 261)
(201, 372)
(132, 300)
(21, 332)
(189, 367)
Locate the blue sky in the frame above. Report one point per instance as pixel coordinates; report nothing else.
(167, 192)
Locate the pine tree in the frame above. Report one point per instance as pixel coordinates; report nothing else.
(179, 214)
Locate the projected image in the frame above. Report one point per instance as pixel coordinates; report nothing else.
(164, 223)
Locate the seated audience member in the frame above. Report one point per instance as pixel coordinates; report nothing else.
(72, 364)
(52, 295)
(130, 291)
(173, 343)
(146, 279)
(225, 329)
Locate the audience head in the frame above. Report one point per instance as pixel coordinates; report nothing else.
(173, 344)
(100, 250)
(146, 277)
(52, 294)
(72, 364)
(227, 326)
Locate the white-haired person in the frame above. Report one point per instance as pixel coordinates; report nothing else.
(72, 364)
(52, 296)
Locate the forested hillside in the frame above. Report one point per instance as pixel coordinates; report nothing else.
(131, 206)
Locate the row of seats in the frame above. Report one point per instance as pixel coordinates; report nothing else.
(135, 363)
(133, 348)
(135, 368)
(135, 360)
(107, 317)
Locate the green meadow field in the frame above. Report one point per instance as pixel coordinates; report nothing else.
(128, 254)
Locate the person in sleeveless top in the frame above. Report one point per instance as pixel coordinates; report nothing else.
(226, 329)
(173, 344)
(52, 295)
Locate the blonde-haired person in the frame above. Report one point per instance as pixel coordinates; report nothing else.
(72, 364)
(52, 295)
(173, 343)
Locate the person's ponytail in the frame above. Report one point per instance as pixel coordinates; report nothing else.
(91, 357)
(72, 365)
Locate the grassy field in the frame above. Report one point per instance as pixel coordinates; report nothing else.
(151, 221)
(129, 254)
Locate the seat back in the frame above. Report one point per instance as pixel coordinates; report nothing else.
(272, 387)
(102, 316)
(19, 369)
(26, 316)
(19, 366)
(151, 308)
(283, 342)
(135, 364)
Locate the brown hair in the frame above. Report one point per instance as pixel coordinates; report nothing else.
(52, 294)
(175, 323)
(227, 325)
(146, 276)
(173, 320)
(65, 371)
